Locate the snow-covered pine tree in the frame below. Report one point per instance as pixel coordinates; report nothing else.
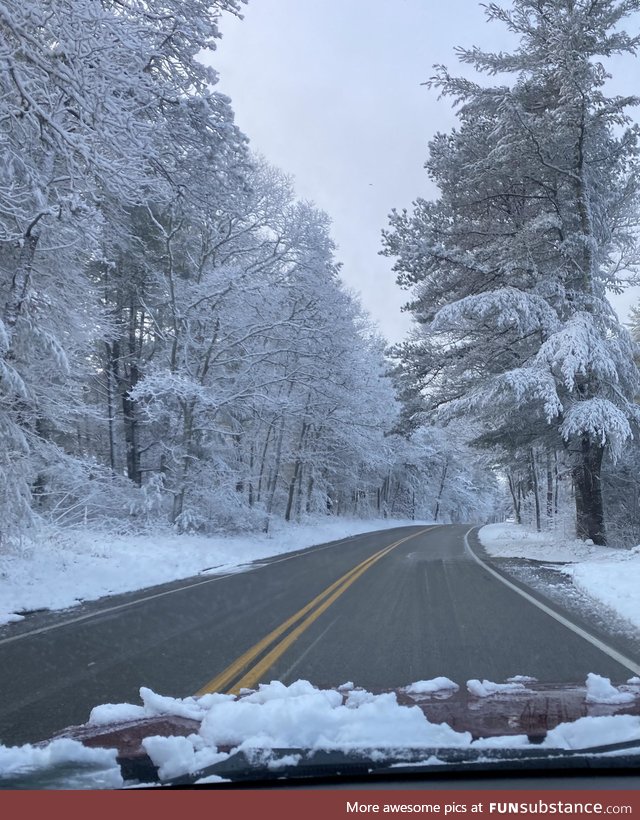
(511, 265)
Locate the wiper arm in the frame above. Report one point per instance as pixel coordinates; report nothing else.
(608, 747)
(242, 768)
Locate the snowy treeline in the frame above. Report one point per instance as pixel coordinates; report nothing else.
(537, 220)
(175, 341)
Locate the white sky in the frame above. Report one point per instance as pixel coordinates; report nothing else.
(330, 92)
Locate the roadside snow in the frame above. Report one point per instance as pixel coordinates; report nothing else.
(610, 576)
(69, 567)
(613, 579)
(516, 541)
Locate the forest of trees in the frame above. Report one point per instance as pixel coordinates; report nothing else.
(510, 268)
(177, 346)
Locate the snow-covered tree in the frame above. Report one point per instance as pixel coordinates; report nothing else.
(510, 267)
(85, 89)
(175, 339)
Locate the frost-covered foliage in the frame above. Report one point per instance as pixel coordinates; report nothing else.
(511, 265)
(621, 480)
(440, 473)
(175, 340)
(253, 386)
(85, 87)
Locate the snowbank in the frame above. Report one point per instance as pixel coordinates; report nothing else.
(82, 565)
(610, 576)
(515, 541)
(613, 579)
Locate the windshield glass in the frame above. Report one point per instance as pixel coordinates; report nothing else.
(318, 389)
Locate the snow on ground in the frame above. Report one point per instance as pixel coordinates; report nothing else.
(614, 580)
(516, 541)
(303, 716)
(72, 566)
(610, 576)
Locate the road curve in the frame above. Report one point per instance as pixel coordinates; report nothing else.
(381, 609)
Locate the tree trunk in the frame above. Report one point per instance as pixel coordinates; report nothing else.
(263, 461)
(299, 492)
(275, 476)
(549, 499)
(252, 458)
(443, 478)
(298, 464)
(310, 484)
(110, 420)
(292, 489)
(126, 381)
(130, 420)
(588, 492)
(187, 459)
(513, 486)
(21, 277)
(536, 489)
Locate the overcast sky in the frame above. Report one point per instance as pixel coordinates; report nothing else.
(330, 92)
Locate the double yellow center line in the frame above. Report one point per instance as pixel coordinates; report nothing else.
(247, 670)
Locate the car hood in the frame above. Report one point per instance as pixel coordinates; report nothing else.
(524, 713)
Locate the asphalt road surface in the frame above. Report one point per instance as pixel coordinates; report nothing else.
(381, 609)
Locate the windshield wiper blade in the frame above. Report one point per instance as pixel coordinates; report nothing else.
(608, 747)
(243, 768)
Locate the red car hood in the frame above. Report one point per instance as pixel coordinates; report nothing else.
(532, 711)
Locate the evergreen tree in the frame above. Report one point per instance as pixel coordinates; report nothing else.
(510, 267)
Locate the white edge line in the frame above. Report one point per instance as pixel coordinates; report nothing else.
(612, 653)
(98, 612)
(238, 570)
(257, 564)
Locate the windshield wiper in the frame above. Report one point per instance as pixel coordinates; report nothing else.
(265, 767)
